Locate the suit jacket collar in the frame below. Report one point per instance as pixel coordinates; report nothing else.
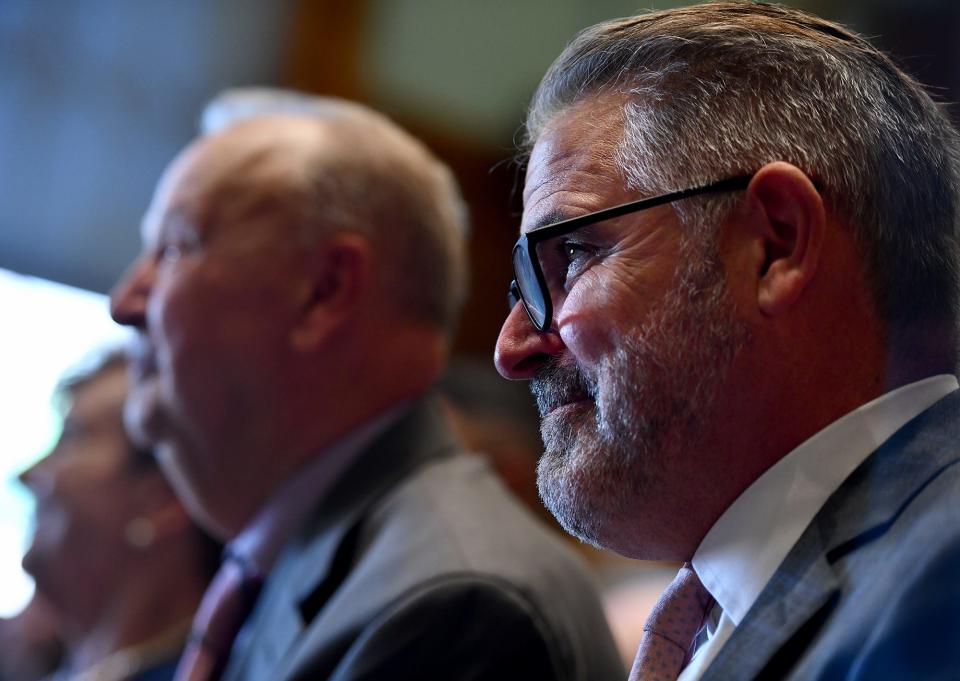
(418, 438)
(802, 593)
(319, 557)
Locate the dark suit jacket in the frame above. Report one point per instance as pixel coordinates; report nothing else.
(872, 588)
(420, 565)
(162, 671)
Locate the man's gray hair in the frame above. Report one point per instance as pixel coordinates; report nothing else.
(720, 89)
(380, 181)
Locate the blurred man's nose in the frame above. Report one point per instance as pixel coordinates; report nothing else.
(128, 299)
(27, 476)
(38, 478)
(521, 349)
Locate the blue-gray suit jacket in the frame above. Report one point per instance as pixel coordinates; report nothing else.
(420, 565)
(872, 588)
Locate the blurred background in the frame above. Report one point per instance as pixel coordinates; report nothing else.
(98, 95)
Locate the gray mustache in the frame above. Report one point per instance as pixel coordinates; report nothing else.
(559, 383)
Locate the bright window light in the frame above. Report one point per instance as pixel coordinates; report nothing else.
(47, 329)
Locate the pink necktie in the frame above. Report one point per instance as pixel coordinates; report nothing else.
(224, 607)
(671, 629)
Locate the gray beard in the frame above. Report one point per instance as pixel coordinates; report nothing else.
(649, 402)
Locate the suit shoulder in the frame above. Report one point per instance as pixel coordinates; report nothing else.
(452, 531)
(916, 634)
(435, 629)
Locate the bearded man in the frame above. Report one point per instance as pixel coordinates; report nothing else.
(738, 282)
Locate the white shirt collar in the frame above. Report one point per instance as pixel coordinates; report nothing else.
(260, 542)
(747, 544)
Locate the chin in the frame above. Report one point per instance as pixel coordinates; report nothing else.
(573, 488)
(598, 487)
(596, 514)
(36, 564)
(142, 415)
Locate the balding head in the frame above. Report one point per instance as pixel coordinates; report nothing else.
(358, 171)
(301, 273)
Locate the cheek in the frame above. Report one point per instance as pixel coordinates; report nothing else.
(185, 328)
(171, 314)
(76, 522)
(589, 320)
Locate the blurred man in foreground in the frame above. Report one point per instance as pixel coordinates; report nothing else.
(303, 269)
(114, 554)
(750, 366)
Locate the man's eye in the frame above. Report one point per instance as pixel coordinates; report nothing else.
(170, 253)
(174, 250)
(576, 256)
(563, 260)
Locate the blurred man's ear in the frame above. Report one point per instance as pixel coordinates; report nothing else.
(786, 224)
(339, 272)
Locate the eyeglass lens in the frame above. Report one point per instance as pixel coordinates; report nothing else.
(527, 284)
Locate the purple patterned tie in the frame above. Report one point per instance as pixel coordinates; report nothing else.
(671, 629)
(225, 605)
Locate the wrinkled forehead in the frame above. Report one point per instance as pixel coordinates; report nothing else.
(575, 153)
(235, 169)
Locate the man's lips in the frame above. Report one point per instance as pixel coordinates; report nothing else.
(551, 398)
(559, 385)
(568, 405)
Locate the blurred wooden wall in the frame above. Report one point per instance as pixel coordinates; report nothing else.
(325, 57)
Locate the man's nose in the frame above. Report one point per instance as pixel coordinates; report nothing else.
(521, 349)
(38, 477)
(128, 299)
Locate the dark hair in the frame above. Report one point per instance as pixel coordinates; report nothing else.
(720, 89)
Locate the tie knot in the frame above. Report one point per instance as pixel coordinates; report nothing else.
(672, 627)
(681, 610)
(225, 605)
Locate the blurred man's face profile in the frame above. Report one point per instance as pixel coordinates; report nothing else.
(214, 310)
(85, 496)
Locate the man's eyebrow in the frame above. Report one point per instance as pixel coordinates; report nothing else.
(177, 222)
(551, 217)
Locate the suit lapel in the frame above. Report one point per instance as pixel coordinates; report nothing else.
(800, 596)
(321, 556)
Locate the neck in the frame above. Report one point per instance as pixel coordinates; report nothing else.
(920, 349)
(361, 379)
(774, 408)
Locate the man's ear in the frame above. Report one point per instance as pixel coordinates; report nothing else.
(788, 221)
(339, 270)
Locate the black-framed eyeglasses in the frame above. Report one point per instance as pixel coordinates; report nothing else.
(530, 286)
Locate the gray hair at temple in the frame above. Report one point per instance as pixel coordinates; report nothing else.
(378, 180)
(720, 89)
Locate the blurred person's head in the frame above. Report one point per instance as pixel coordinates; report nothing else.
(303, 267)
(110, 535)
(679, 351)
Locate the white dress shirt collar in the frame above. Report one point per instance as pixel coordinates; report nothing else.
(743, 549)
